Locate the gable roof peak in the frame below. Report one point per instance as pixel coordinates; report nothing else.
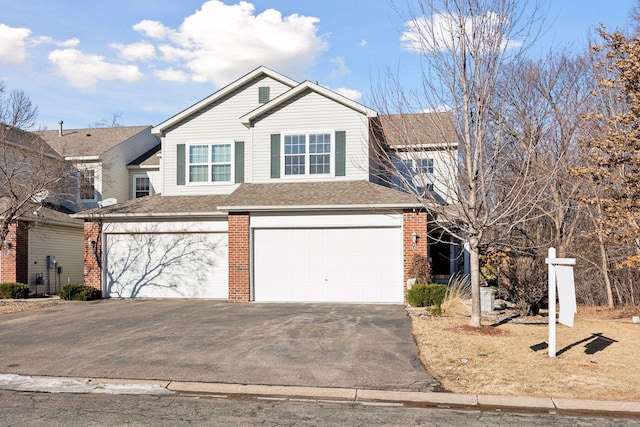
(259, 72)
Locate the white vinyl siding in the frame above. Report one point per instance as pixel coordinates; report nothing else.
(219, 122)
(114, 164)
(66, 244)
(304, 114)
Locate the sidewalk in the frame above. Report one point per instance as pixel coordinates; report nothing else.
(324, 394)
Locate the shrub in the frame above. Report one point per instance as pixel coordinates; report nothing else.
(523, 280)
(79, 292)
(421, 295)
(14, 290)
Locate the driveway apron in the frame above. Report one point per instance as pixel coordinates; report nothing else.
(321, 345)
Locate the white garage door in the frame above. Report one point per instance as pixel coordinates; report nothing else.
(328, 265)
(169, 265)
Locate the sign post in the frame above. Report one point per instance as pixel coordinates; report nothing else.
(560, 273)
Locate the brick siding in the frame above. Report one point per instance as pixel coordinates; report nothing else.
(239, 258)
(413, 221)
(93, 254)
(14, 255)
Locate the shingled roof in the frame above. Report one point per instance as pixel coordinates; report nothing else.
(159, 206)
(421, 129)
(318, 195)
(88, 142)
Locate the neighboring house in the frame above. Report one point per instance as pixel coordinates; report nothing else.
(268, 194)
(102, 157)
(421, 156)
(144, 174)
(44, 246)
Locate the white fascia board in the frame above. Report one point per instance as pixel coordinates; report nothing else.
(143, 167)
(251, 116)
(301, 208)
(159, 129)
(83, 159)
(425, 147)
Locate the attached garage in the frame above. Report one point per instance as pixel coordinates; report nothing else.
(356, 259)
(160, 261)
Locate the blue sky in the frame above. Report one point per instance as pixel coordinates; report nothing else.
(82, 61)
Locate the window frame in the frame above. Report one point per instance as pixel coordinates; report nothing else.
(81, 179)
(209, 163)
(307, 155)
(134, 177)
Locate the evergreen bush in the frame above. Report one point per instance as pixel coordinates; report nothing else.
(79, 292)
(421, 295)
(14, 290)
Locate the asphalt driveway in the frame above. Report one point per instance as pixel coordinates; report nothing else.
(324, 345)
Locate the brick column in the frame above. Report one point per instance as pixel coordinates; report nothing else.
(14, 255)
(413, 222)
(93, 254)
(239, 266)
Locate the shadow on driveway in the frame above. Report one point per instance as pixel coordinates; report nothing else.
(323, 345)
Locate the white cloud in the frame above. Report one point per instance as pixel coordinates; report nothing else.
(363, 43)
(352, 94)
(13, 44)
(219, 42)
(84, 71)
(68, 43)
(172, 75)
(153, 29)
(140, 51)
(340, 69)
(441, 32)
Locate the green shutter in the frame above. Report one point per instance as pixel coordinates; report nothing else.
(180, 168)
(239, 162)
(275, 155)
(263, 94)
(341, 153)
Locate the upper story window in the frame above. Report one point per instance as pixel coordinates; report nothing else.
(209, 163)
(307, 154)
(88, 184)
(426, 165)
(141, 186)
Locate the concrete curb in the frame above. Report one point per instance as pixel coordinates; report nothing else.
(408, 398)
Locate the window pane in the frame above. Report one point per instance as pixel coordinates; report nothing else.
(319, 164)
(198, 173)
(198, 153)
(426, 165)
(220, 173)
(221, 153)
(294, 165)
(143, 186)
(294, 144)
(87, 184)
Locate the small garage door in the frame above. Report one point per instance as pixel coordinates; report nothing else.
(328, 265)
(166, 265)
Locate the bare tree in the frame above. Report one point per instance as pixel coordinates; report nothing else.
(111, 122)
(464, 47)
(16, 109)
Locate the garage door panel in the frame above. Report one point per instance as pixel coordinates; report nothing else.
(328, 265)
(172, 265)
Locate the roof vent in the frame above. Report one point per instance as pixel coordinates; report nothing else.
(60, 128)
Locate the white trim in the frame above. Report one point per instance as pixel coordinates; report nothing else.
(296, 208)
(260, 71)
(358, 220)
(308, 175)
(208, 144)
(133, 184)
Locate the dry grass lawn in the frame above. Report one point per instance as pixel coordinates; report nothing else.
(597, 359)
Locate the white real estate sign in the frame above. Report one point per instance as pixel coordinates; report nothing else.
(560, 275)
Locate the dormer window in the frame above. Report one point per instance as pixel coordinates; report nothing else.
(263, 94)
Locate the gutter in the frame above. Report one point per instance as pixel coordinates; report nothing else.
(283, 208)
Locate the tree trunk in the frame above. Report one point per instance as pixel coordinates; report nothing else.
(604, 267)
(474, 270)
